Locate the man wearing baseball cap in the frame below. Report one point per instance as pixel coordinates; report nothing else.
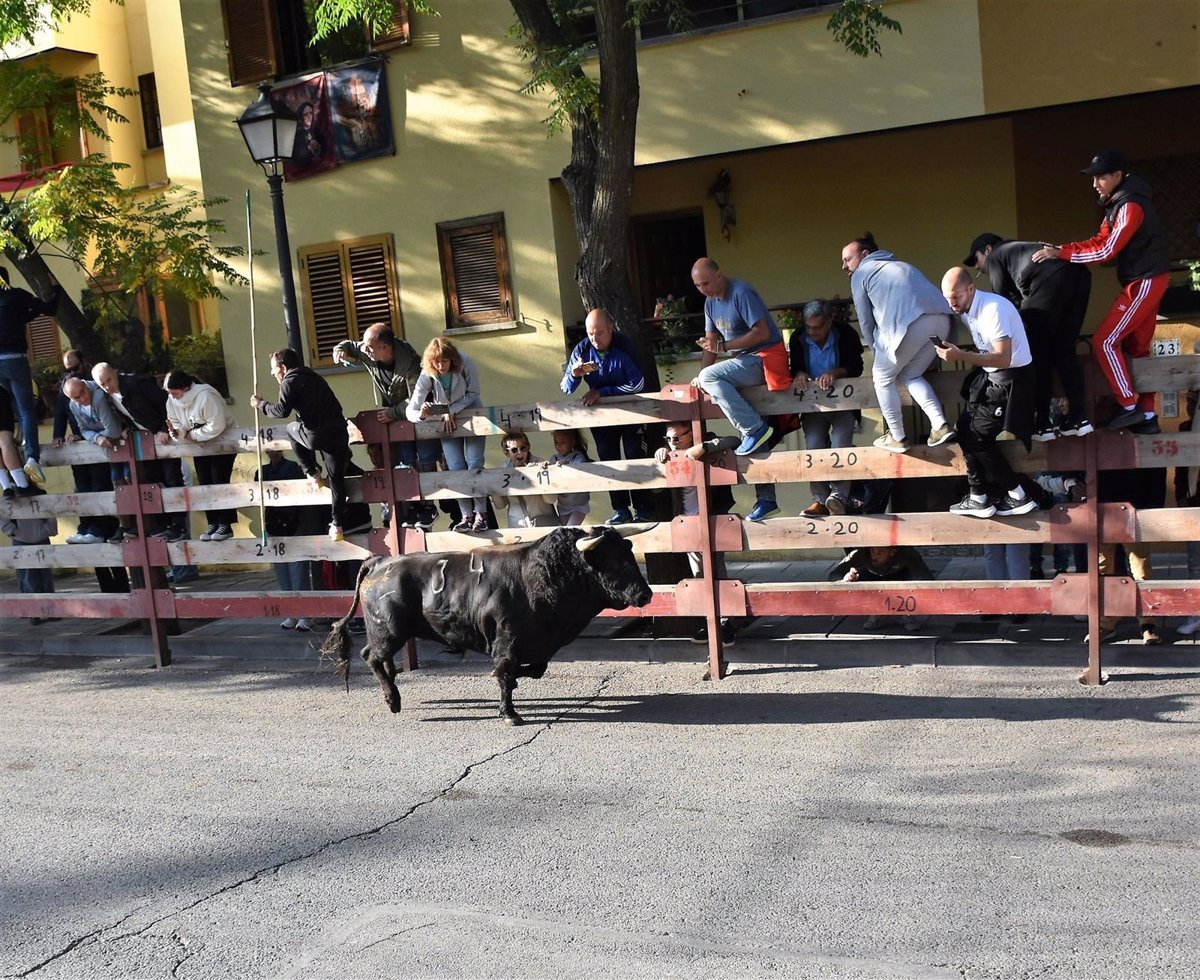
(1053, 302)
(1130, 233)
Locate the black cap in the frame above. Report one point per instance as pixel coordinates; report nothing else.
(1106, 162)
(981, 242)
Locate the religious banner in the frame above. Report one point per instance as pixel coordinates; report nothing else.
(314, 150)
(358, 101)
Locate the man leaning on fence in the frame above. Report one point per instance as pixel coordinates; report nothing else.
(999, 396)
(394, 366)
(604, 361)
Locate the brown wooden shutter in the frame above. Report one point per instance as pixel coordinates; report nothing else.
(347, 286)
(44, 344)
(396, 34)
(250, 40)
(475, 273)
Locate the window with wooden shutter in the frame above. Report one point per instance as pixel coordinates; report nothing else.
(44, 344)
(151, 117)
(396, 34)
(475, 273)
(347, 286)
(251, 40)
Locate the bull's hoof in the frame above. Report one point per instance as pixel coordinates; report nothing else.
(512, 720)
(394, 706)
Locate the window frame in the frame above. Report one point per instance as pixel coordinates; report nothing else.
(151, 114)
(503, 314)
(353, 328)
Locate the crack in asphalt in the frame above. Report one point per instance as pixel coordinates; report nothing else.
(93, 936)
(188, 954)
(76, 943)
(397, 934)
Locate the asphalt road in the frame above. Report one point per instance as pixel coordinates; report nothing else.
(218, 820)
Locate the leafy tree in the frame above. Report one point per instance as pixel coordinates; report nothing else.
(601, 116)
(162, 240)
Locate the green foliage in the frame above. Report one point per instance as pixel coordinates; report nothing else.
(857, 24)
(47, 373)
(200, 354)
(163, 240)
(20, 20)
(332, 16)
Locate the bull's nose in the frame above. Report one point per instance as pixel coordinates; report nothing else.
(644, 598)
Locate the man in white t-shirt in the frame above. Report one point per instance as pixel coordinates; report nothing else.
(999, 395)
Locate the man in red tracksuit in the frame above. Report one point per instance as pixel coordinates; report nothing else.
(1130, 233)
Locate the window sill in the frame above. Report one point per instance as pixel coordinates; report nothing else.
(483, 328)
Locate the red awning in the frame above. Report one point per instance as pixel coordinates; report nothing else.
(23, 179)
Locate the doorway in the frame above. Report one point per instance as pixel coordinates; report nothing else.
(665, 246)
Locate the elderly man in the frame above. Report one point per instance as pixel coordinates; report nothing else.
(1054, 299)
(143, 405)
(999, 394)
(394, 366)
(820, 355)
(737, 323)
(604, 360)
(17, 308)
(1132, 234)
(899, 312)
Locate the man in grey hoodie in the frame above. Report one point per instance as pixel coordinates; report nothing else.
(901, 315)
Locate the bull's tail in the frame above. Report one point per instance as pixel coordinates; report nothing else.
(336, 647)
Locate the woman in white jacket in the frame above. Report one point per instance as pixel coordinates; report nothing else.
(196, 413)
(449, 384)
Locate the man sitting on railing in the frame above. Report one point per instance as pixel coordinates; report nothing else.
(321, 427)
(999, 394)
(604, 360)
(821, 354)
(738, 323)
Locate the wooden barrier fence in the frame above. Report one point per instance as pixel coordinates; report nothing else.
(1090, 522)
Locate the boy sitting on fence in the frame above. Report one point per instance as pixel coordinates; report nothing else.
(529, 509)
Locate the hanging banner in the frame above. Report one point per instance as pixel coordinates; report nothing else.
(358, 101)
(314, 150)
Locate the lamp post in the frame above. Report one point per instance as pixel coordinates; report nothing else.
(270, 133)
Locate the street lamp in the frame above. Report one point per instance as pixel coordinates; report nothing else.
(270, 133)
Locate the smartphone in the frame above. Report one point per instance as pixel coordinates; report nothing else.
(938, 342)
(435, 409)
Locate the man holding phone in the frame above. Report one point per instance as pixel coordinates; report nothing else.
(604, 359)
(999, 394)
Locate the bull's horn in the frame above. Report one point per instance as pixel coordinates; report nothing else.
(630, 532)
(588, 543)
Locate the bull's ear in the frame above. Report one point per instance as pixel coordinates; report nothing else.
(588, 543)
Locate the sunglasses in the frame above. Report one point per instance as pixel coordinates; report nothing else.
(517, 450)
(674, 439)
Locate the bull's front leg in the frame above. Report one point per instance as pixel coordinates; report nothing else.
(506, 676)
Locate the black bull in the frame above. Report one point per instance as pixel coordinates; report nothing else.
(518, 603)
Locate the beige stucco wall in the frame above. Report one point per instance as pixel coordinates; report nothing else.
(467, 143)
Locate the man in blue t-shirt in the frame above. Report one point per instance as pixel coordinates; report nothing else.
(737, 323)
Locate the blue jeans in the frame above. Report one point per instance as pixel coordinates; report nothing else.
(36, 579)
(828, 430)
(1006, 561)
(721, 382)
(293, 576)
(466, 453)
(423, 451)
(18, 379)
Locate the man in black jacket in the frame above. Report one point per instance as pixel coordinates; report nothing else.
(321, 427)
(821, 354)
(1053, 302)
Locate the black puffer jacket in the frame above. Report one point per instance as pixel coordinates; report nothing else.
(1145, 255)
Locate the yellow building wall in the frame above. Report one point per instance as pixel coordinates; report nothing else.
(788, 81)
(1048, 52)
(467, 143)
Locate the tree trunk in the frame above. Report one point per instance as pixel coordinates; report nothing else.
(599, 178)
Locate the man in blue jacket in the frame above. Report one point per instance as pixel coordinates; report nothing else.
(605, 361)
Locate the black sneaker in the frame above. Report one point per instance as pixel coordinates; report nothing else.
(174, 534)
(30, 491)
(1147, 427)
(1011, 506)
(1076, 427)
(221, 532)
(1047, 434)
(1124, 418)
(10, 492)
(208, 532)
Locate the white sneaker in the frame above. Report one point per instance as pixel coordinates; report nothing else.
(1189, 627)
(288, 624)
(303, 626)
